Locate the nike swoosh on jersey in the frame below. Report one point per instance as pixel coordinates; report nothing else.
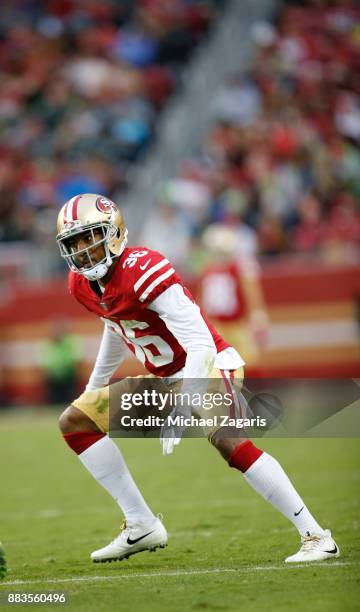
(130, 541)
(145, 265)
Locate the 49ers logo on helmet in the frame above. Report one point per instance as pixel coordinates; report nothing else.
(105, 206)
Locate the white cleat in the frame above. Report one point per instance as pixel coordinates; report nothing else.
(132, 540)
(315, 547)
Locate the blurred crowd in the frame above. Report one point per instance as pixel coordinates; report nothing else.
(82, 83)
(281, 163)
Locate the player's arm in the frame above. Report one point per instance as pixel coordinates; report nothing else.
(249, 275)
(112, 352)
(157, 287)
(183, 318)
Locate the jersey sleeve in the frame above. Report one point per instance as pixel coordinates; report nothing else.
(111, 354)
(75, 284)
(71, 283)
(152, 275)
(184, 319)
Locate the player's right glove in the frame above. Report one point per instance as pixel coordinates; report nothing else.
(171, 433)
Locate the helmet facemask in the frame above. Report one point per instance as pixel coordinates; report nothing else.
(87, 264)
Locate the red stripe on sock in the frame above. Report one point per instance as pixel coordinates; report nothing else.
(79, 441)
(244, 456)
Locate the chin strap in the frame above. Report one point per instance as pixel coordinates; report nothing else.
(96, 272)
(100, 269)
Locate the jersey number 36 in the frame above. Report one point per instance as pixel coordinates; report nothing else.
(142, 344)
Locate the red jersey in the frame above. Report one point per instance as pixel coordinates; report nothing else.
(140, 276)
(221, 292)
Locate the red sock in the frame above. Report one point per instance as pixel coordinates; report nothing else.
(79, 441)
(244, 456)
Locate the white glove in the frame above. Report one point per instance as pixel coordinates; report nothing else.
(171, 435)
(168, 444)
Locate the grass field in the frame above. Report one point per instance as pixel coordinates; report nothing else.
(226, 545)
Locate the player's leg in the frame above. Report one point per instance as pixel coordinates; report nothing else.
(84, 426)
(266, 476)
(101, 456)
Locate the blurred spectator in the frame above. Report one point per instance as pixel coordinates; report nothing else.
(308, 234)
(60, 357)
(281, 163)
(82, 86)
(238, 102)
(167, 231)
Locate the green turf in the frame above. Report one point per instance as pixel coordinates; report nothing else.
(226, 546)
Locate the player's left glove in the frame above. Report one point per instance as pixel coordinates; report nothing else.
(171, 433)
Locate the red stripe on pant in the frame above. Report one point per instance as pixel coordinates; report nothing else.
(232, 377)
(229, 390)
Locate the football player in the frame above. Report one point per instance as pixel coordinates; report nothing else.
(230, 293)
(145, 307)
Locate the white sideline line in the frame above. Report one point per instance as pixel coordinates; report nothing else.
(195, 572)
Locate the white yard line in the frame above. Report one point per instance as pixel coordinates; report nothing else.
(193, 572)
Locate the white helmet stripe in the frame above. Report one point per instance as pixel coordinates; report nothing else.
(65, 213)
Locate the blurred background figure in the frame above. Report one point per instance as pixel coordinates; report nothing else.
(230, 292)
(167, 231)
(59, 359)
